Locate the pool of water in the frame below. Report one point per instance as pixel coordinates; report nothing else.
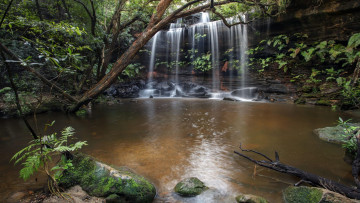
(167, 140)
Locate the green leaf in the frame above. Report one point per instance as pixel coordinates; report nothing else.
(354, 40)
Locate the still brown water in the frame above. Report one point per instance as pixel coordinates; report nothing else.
(167, 140)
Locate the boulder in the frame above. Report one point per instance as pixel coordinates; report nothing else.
(277, 88)
(230, 99)
(332, 134)
(305, 194)
(248, 198)
(190, 187)
(248, 93)
(101, 180)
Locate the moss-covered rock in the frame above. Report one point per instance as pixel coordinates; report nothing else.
(248, 198)
(332, 134)
(323, 102)
(302, 195)
(101, 180)
(313, 195)
(190, 187)
(81, 113)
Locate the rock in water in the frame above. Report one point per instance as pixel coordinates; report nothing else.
(313, 195)
(333, 134)
(248, 198)
(190, 187)
(101, 180)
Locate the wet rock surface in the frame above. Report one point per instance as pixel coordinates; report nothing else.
(101, 180)
(190, 187)
(305, 194)
(333, 134)
(249, 198)
(126, 89)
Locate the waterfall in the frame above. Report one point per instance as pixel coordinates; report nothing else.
(214, 44)
(175, 36)
(243, 55)
(203, 37)
(152, 58)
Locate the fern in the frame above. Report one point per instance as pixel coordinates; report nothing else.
(38, 155)
(354, 41)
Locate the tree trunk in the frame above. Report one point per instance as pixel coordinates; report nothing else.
(17, 100)
(66, 9)
(5, 13)
(303, 175)
(356, 73)
(38, 10)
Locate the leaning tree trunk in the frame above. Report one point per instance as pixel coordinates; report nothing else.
(156, 23)
(353, 193)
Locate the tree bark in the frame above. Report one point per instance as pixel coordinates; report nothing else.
(17, 100)
(66, 9)
(303, 175)
(5, 13)
(38, 10)
(91, 14)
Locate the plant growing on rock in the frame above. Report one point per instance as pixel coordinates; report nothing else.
(349, 136)
(39, 154)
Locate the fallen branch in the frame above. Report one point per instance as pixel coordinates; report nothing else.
(316, 180)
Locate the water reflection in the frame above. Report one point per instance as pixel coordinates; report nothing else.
(167, 140)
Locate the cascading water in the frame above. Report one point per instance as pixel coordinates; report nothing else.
(243, 54)
(152, 57)
(175, 34)
(199, 38)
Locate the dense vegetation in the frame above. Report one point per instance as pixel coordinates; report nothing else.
(79, 48)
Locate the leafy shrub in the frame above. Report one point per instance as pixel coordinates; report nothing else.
(39, 154)
(349, 135)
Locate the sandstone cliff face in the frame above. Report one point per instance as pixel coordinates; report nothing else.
(320, 19)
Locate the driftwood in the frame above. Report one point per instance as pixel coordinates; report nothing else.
(353, 193)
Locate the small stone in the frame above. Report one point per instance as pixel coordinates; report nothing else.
(190, 187)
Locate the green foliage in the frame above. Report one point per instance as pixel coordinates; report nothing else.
(332, 61)
(312, 79)
(202, 63)
(39, 154)
(350, 92)
(132, 70)
(332, 73)
(349, 135)
(5, 90)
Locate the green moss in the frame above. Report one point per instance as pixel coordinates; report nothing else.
(245, 198)
(190, 187)
(307, 88)
(302, 195)
(323, 102)
(115, 198)
(310, 95)
(81, 113)
(96, 179)
(300, 101)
